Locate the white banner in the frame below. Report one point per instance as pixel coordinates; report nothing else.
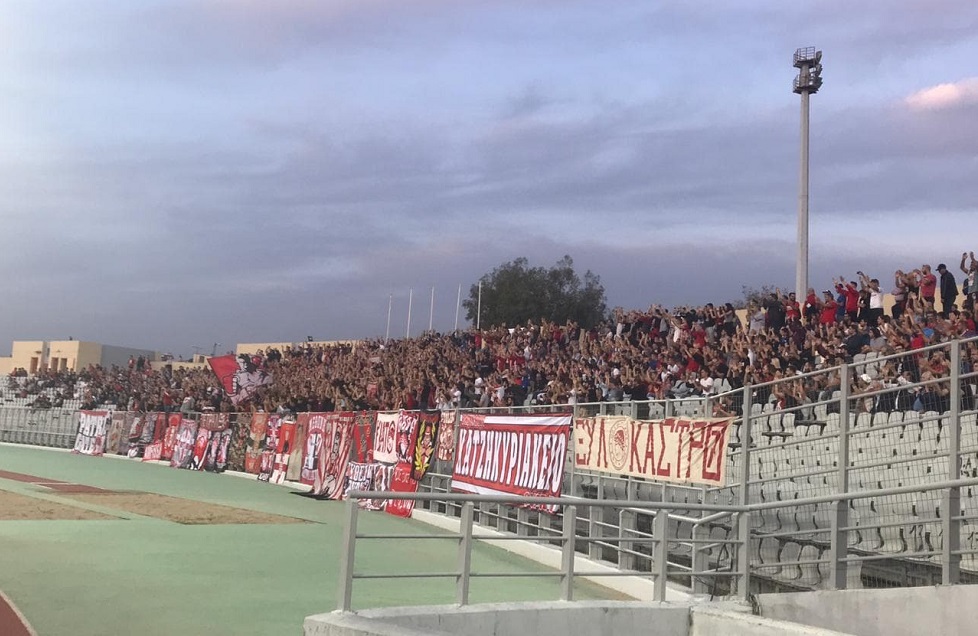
(674, 450)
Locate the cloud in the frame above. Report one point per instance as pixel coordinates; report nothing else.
(944, 96)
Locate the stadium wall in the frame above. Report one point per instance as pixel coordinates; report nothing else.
(941, 610)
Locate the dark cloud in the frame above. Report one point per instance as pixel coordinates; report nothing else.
(202, 172)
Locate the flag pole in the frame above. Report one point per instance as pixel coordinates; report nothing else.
(410, 301)
(431, 311)
(478, 314)
(390, 305)
(458, 303)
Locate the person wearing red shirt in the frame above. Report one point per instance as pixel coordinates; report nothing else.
(928, 284)
(812, 306)
(791, 309)
(851, 292)
(829, 306)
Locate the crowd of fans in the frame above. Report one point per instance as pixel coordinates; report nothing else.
(640, 354)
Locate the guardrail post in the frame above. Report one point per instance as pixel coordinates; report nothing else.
(594, 529)
(464, 564)
(743, 555)
(626, 526)
(700, 562)
(951, 562)
(348, 555)
(951, 507)
(839, 536)
(661, 531)
(567, 554)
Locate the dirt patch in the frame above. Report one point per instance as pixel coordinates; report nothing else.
(31, 479)
(185, 511)
(74, 489)
(14, 507)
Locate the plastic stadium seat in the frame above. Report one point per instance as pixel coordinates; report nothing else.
(789, 556)
(768, 552)
(811, 576)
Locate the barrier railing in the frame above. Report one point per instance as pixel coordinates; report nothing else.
(567, 540)
(745, 544)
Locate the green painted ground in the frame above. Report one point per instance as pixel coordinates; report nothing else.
(146, 576)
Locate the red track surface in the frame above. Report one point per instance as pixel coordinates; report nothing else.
(11, 621)
(53, 484)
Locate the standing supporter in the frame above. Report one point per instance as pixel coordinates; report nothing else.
(899, 294)
(969, 283)
(949, 290)
(874, 304)
(851, 293)
(928, 284)
(829, 307)
(812, 306)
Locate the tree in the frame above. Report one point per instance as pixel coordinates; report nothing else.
(514, 293)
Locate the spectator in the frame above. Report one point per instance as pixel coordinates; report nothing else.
(949, 290)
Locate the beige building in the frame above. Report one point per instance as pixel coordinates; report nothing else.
(67, 355)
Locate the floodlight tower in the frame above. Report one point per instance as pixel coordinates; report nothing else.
(808, 61)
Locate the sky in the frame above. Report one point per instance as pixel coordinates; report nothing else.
(177, 174)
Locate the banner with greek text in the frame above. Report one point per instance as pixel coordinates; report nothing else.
(511, 455)
(673, 450)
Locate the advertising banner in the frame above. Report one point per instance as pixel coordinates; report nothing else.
(511, 455)
(673, 450)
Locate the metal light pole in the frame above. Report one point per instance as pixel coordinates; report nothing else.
(808, 61)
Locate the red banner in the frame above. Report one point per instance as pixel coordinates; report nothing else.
(201, 442)
(170, 436)
(183, 450)
(283, 452)
(401, 481)
(92, 429)
(446, 436)
(238, 375)
(153, 451)
(674, 450)
(363, 436)
(312, 447)
(213, 421)
(407, 431)
(511, 455)
(334, 454)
